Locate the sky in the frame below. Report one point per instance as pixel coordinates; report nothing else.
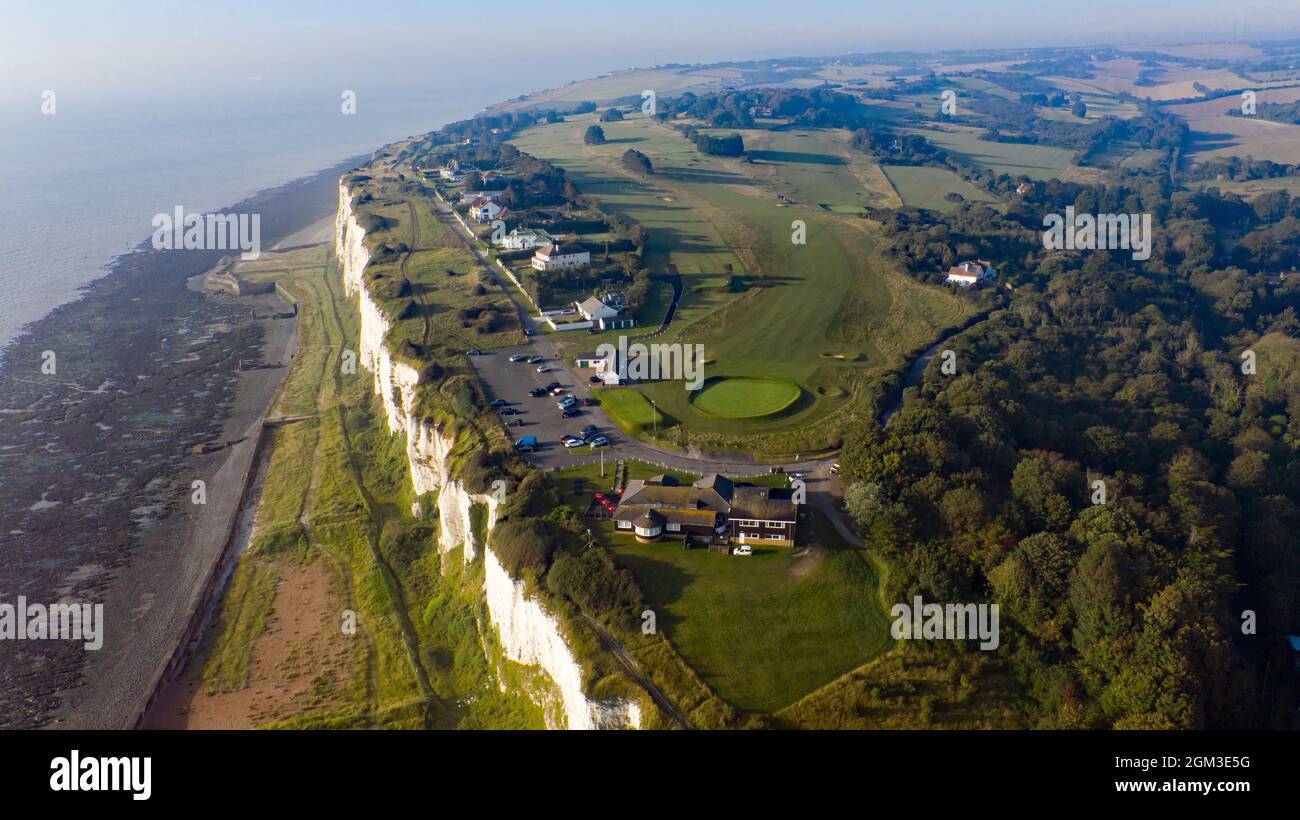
(137, 49)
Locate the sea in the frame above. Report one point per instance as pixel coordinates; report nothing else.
(80, 185)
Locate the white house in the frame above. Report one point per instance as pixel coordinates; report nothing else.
(593, 308)
(605, 315)
(482, 209)
(523, 239)
(971, 273)
(557, 257)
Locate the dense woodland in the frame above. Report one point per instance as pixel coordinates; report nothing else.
(1127, 613)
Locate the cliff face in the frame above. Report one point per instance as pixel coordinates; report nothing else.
(528, 634)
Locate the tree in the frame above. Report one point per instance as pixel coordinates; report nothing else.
(637, 162)
(864, 500)
(595, 135)
(1079, 109)
(611, 115)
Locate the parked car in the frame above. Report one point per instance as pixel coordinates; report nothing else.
(499, 402)
(570, 412)
(518, 357)
(509, 411)
(598, 441)
(566, 402)
(473, 351)
(535, 359)
(528, 332)
(835, 468)
(541, 368)
(555, 391)
(537, 391)
(743, 549)
(589, 430)
(573, 442)
(796, 476)
(515, 423)
(527, 444)
(595, 379)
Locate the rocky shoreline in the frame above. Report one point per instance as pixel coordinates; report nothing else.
(96, 461)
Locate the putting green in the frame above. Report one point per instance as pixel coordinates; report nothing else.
(745, 398)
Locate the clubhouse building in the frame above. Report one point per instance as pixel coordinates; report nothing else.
(713, 510)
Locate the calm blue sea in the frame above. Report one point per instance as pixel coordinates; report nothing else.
(80, 187)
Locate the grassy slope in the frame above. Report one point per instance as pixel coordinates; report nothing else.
(386, 563)
(809, 302)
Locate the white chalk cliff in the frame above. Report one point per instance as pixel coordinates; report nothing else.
(528, 634)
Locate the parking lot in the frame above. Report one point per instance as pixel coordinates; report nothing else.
(538, 416)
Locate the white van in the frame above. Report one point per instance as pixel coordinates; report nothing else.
(743, 549)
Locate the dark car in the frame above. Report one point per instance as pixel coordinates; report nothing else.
(515, 423)
(595, 379)
(509, 411)
(571, 412)
(537, 391)
(474, 351)
(553, 386)
(499, 402)
(588, 431)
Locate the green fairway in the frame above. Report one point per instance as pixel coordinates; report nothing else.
(745, 398)
(822, 314)
(1034, 161)
(628, 408)
(925, 187)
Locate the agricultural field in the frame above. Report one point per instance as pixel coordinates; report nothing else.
(1245, 137)
(1250, 189)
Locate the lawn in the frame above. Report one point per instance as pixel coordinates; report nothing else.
(628, 408)
(925, 187)
(745, 398)
(764, 630)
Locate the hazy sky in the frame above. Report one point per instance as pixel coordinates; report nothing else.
(138, 48)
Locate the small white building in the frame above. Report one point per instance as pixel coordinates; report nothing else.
(605, 366)
(593, 309)
(482, 209)
(605, 315)
(523, 239)
(557, 257)
(971, 273)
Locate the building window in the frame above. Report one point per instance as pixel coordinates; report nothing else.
(674, 527)
(625, 525)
